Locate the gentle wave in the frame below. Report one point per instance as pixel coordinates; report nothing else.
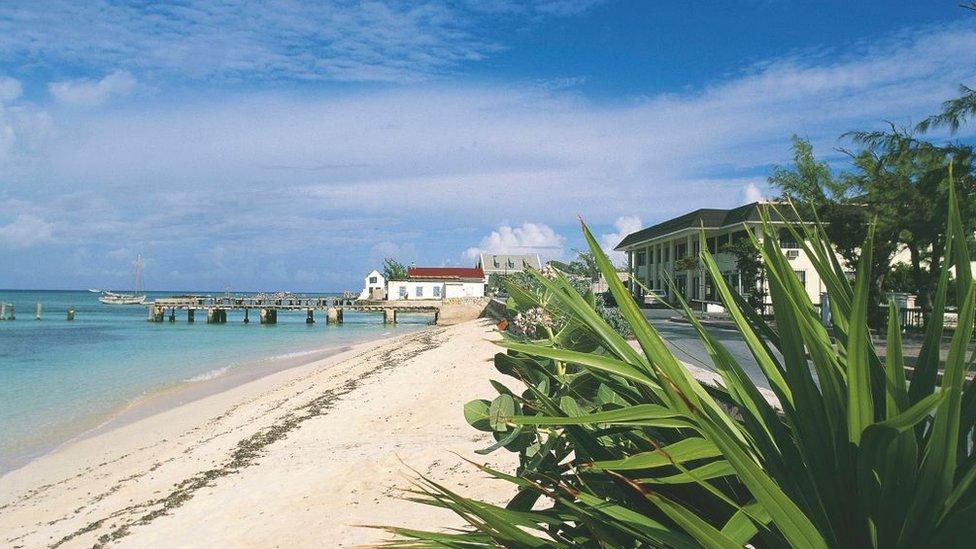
(217, 372)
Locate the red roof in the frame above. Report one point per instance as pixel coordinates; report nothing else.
(445, 272)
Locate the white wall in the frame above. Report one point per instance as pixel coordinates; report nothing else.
(464, 289)
(380, 283)
(448, 289)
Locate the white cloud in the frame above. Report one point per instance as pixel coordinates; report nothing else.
(530, 238)
(751, 193)
(624, 225)
(332, 174)
(10, 89)
(346, 41)
(26, 231)
(92, 93)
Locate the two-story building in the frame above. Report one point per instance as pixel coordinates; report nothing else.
(667, 251)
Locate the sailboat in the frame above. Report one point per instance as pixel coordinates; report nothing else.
(117, 298)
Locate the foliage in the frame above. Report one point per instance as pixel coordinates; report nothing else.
(393, 269)
(898, 186)
(585, 265)
(620, 446)
(899, 279)
(751, 269)
(526, 282)
(687, 263)
(955, 112)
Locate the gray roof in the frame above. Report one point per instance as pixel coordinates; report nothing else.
(509, 262)
(705, 217)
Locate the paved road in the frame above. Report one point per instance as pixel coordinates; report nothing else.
(685, 344)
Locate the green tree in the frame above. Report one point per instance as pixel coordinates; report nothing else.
(751, 270)
(903, 181)
(584, 265)
(898, 184)
(955, 112)
(393, 269)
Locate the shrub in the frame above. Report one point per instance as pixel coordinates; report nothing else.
(620, 446)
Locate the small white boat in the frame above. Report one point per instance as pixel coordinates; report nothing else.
(112, 298)
(135, 298)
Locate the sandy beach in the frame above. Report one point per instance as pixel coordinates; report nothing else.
(298, 458)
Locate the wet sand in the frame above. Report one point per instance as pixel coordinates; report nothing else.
(297, 458)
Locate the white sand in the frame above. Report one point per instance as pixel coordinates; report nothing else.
(294, 459)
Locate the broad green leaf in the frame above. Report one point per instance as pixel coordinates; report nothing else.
(476, 414)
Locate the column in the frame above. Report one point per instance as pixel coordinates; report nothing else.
(630, 272)
(689, 279)
(648, 264)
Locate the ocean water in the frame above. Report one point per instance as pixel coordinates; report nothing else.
(60, 379)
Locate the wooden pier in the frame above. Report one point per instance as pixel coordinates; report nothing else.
(267, 308)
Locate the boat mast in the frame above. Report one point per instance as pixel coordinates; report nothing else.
(138, 266)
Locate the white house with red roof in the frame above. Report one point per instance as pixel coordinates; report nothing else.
(438, 283)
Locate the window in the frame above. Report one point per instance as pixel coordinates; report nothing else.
(722, 241)
(739, 235)
(713, 245)
(420, 291)
(667, 253)
(372, 280)
(787, 240)
(680, 251)
(403, 292)
(641, 259)
(437, 291)
(802, 275)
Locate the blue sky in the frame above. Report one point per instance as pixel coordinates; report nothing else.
(293, 145)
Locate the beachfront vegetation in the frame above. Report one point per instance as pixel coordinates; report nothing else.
(619, 444)
(393, 269)
(898, 181)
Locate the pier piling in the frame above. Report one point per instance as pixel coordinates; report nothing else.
(334, 308)
(269, 316)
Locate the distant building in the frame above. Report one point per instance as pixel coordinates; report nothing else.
(507, 263)
(438, 283)
(374, 287)
(654, 254)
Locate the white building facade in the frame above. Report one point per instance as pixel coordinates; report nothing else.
(374, 287)
(655, 254)
(437, 283)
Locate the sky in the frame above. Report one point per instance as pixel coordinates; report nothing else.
(293, 145)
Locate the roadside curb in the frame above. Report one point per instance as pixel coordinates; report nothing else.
(720, 324)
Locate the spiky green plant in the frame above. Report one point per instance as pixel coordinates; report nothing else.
(620, 446)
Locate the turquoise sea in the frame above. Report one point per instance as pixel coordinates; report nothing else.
(60, 379)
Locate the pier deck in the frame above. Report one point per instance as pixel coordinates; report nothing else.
(216, 307)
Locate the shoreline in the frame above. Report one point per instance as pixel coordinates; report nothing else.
(238, 466)
(225, 374)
